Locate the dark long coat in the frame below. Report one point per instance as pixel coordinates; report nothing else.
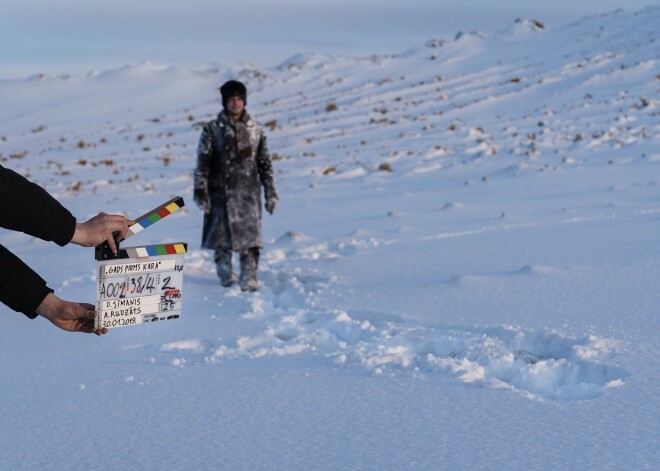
(232, 165)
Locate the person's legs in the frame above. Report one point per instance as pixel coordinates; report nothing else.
(223, 266)
(249, 263)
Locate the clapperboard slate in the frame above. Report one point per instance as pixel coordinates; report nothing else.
(142, 284)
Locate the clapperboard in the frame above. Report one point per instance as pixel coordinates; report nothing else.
(140, 284)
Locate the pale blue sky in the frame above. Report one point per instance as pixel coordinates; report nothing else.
(75, 36)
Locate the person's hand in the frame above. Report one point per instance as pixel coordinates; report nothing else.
(270, 204)
(102, 228)
(72, 317)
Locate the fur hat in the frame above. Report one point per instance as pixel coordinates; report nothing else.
(233, 88)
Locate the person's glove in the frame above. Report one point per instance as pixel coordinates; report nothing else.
(202, 200)
(270, 204)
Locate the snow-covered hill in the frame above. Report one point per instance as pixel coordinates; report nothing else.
(461, 274)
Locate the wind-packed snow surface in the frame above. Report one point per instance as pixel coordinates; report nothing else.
(462, 272)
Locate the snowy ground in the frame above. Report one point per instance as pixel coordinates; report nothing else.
(462, 272)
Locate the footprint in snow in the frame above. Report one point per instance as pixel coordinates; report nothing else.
(538, 364)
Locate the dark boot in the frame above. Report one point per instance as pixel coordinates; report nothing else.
(223, 267)
(249, 263)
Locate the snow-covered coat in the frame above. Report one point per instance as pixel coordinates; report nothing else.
(233, 164)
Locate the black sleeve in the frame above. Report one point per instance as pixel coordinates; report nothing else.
(26, 207)
(21, 288)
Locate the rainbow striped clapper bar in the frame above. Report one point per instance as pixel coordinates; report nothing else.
(142, 284)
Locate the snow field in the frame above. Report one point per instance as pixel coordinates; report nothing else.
(461, 273)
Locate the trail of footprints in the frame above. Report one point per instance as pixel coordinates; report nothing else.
(538, 364)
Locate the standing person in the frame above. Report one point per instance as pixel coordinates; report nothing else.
(30, 209)
(232, 165)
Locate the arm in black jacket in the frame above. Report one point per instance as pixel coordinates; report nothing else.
(28, 208)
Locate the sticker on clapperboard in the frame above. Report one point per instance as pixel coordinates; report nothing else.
(134, 292)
